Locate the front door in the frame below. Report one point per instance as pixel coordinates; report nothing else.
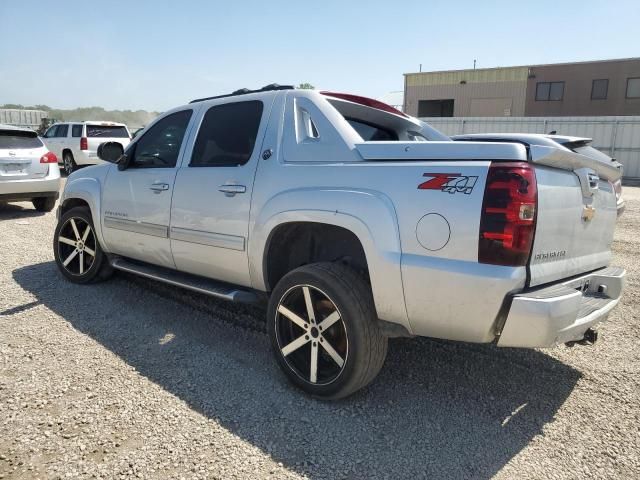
(136, 202)
(212, 195)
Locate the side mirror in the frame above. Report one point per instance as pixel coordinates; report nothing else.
(110, 152)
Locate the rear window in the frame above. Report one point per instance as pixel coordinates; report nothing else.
(17, 140)
(107, 131)
(371, 132)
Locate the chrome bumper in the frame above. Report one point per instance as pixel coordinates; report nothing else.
(562, 312)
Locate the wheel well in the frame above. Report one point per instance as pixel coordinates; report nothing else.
(72, 203)
(67, 150)
(294, 244)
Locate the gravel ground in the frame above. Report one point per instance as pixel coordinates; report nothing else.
(130, 378)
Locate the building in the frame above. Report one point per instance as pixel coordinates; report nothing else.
(598, 88)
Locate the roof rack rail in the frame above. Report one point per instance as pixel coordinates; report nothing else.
(244, 91)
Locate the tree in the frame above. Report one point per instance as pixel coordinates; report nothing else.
(306, 86)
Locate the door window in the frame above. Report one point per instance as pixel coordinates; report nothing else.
(76, 131)
(51, 132)
(160, 145)
(62, 131)
(227, 135)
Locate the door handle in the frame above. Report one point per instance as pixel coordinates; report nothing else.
(159, 187)
(231, 190)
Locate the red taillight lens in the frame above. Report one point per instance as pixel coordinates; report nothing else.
(83, 143)
(49, 157)
(508, 214)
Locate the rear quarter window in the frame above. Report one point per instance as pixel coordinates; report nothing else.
(107, 131)
(17, 140)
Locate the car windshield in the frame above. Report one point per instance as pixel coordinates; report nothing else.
(107, 131)
(15, 139)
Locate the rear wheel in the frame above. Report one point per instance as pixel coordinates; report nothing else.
(44, 204)
(68, 163)
(323, 330)
(76, 249)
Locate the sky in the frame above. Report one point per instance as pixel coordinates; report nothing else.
(154, 55)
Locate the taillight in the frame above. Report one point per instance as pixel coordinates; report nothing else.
(49, 157)
(83, 143)
(508, 214)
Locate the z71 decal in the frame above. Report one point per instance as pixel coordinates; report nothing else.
(449, 182)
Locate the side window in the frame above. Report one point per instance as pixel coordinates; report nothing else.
(76, 131)
(63, 130)
(227, 135)
(51, 132)
(160, 145)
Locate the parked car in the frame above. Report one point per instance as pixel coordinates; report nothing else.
(579, 145)
(75, 143)
(28, 170)
(355, 222)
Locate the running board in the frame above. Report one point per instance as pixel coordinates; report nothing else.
(185, 280)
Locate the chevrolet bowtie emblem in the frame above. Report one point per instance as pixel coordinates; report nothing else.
(588, 212)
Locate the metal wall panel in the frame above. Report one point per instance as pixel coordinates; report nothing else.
(22, 118)
(618, 137)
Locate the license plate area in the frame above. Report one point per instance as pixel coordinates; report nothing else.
(14, 167)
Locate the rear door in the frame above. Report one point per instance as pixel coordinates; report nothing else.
(20, 153)
(136, 202)
(212, 195)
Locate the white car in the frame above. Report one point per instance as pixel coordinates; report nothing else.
(356, 223)
(28, 170)
(75, 143)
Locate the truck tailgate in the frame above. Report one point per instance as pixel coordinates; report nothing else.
(576, 217)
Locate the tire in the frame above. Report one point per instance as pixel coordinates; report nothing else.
(68, 163)
(44, 204)
(85, 260)
(334, 291)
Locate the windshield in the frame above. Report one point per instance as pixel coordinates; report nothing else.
(107, 131)
(12, 139)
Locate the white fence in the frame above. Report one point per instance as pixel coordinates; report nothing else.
(618, 137)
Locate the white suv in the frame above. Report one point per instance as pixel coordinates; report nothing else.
(76, 143)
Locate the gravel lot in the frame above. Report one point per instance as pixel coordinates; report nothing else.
(130, 378)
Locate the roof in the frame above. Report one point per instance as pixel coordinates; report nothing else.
(13, 127)
(94, 122)
(630, 59)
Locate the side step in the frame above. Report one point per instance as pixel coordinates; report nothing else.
(186, 280)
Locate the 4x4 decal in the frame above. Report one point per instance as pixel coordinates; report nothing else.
(449, 182)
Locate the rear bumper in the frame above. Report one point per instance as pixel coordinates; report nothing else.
(25, 189)
(87, 157)
(562, 312)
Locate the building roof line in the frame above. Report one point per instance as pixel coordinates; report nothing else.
(526, 66)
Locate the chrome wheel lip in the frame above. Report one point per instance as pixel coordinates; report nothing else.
(279, 317)
(80, 244)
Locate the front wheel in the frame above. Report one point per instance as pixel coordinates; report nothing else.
(76, 249)
(323, 330)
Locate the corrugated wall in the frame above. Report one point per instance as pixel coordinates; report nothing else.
(22, 118)
(618, 137)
